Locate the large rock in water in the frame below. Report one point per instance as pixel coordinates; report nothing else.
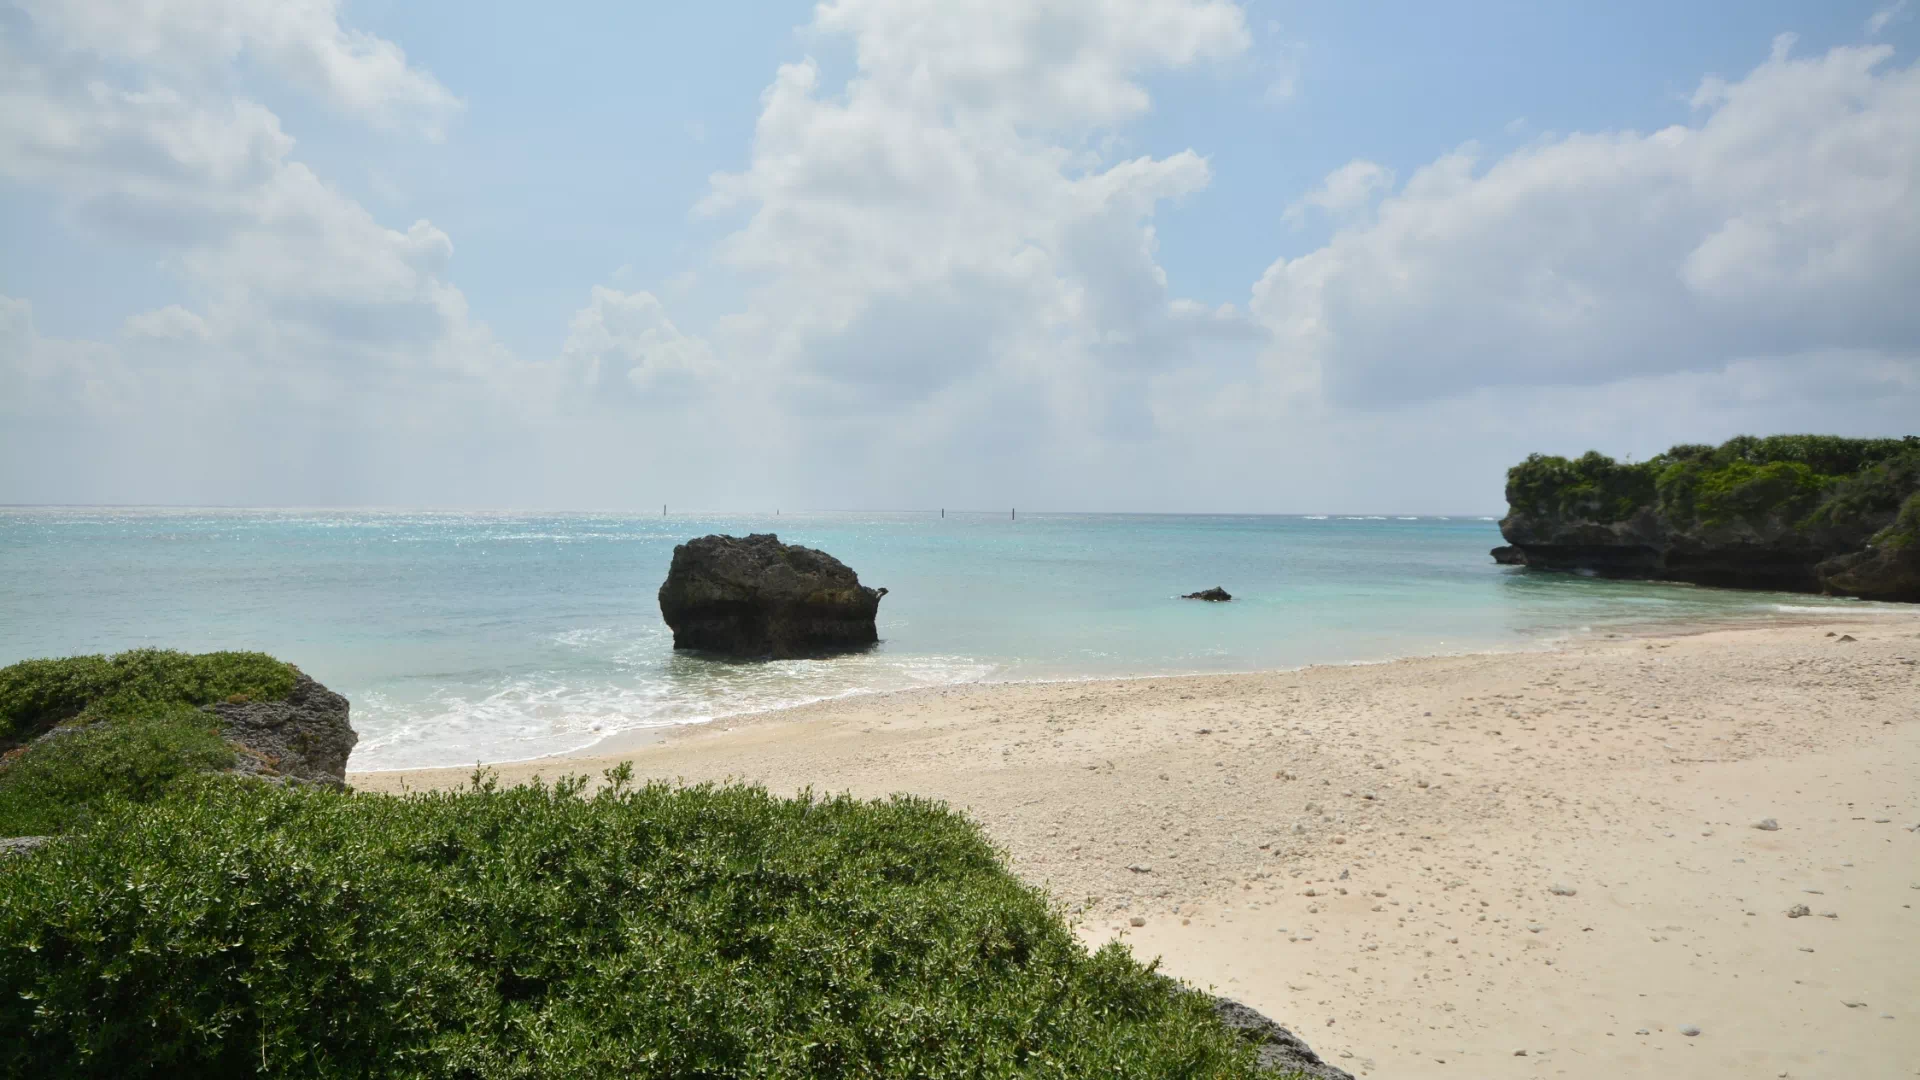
(755, 597)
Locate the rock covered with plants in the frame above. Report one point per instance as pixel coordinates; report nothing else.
(81, 731)
(754, 597)
(1808, 513)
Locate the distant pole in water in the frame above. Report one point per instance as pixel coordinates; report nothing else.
(1013, 515)
(943, 512)
(663, 509)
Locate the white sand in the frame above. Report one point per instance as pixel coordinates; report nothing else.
(1629, 771)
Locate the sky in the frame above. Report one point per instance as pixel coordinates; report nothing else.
(1086, 255)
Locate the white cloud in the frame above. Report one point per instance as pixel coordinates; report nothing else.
(170, 323)
(1347, 190)
(1284, 66)
(300, 296)
(939, 239)
(1879, 20)
(627, 337)
(301, 41)
(1786, 221)
(1068, 65)
(952, 283)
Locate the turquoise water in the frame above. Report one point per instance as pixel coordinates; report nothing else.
(464, 637)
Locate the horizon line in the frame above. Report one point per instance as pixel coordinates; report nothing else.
(712, 512)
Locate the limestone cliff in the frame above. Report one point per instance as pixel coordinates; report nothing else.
(1797, 513)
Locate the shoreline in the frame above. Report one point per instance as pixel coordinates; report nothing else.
(1363, 851)
(628, 740)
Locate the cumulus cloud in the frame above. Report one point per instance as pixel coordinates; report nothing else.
(302, 291)
(302, 41)
(1784, 221)
(1351, 187)
(622, 337)
(939, 237)
(949, 279)
(1884, 17)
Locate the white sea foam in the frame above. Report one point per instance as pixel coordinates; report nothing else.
(1848, 607)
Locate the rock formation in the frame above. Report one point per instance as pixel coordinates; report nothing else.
(1793, 513)
(755, 598)
(1279, 1048)
(303, 738)
(1883, 572)
(1215, 594)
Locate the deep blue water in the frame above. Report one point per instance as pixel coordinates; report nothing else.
(463, 637)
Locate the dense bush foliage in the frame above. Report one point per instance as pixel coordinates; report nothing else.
(232, 928)
(37, 694)
(1592, 486)
(1810, 481)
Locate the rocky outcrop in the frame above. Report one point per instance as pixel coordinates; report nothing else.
(1278, 1048)
(21, 845)
(1790, 513)
(1884, 572)
(1738, 554)
(1216, 594)
(754, 598)
(1741, 554)
(303, 738)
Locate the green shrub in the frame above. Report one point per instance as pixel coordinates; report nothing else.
(1872, 493)
(37, 694)
(1905, 529)
(1593, 486)
(1806, 481)
(232, 928)
(1738, 490)
(57, 784)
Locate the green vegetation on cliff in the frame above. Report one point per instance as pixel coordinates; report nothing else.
(1807, 482)
(37, 694)
(232, 928)
(128, 727)
(1905, 530)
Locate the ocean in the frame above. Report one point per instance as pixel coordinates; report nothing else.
(464, 637)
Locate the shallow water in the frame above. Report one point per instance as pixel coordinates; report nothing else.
(463, 637)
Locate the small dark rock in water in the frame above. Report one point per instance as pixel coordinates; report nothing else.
(1509, 556)
(1278, 1048)
(754, 597)
(1216, 594)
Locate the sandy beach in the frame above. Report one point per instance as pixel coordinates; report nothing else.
(1541, 864)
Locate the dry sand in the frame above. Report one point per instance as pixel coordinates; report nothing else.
(1523, 865)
